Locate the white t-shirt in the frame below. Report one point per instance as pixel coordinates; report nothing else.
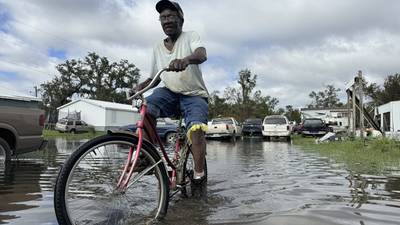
(188, 82)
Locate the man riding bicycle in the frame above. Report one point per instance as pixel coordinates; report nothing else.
(184, 91)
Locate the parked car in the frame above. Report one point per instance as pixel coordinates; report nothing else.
(21, 126)
(165, 128)
(224, 128)
(292, 124)
(252, 126)
(72, 126)
(314, 127)
(276, 126)
(337, 128)
(297, 128)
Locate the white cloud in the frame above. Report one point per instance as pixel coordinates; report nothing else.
(294, 46)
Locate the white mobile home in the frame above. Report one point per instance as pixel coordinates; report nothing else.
(337, 116)
(100, 114)
(388, 117)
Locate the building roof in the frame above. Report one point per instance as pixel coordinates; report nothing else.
(389, 103)
(325, 109)
(14, 95)
(103, 104)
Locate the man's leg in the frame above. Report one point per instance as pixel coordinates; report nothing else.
(195, 111)
(161, 103)
(199, 152)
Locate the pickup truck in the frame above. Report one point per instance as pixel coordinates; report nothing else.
(224, 128)
(21, 125)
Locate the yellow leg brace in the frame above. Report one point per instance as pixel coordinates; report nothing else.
(195, 127)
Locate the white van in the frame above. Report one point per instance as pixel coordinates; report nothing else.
(276, 126)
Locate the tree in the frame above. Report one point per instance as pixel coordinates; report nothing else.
(293, 114)
(389, 92)
(263, 105)
(247, 82)
(106, 81)
(95, 78)
(217, 105)
(239, 102)
(54, 94)
(327, 98)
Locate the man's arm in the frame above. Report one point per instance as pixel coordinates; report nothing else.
(197, 57)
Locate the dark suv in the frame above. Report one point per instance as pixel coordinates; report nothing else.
(21, 126)
(314, 127)
(252, 126)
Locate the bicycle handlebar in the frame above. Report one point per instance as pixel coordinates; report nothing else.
(158, 74)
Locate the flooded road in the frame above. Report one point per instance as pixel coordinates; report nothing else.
(251, 181)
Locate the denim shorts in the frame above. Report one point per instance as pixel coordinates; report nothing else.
(165, 103)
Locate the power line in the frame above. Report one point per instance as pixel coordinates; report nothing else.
(25, 66)
(53, 35)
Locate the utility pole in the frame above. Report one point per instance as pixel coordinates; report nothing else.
(36, 91)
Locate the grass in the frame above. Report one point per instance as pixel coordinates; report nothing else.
(52, 134)
(375, 156)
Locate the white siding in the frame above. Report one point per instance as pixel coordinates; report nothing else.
(91, 114)
(394, 109)
(327, 115)
(116, 118)
(100, 114)
(396, 116)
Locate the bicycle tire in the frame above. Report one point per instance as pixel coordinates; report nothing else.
(85, 190)
(188, 171)
(4, 152)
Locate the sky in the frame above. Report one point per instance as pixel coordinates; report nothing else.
(294, 46)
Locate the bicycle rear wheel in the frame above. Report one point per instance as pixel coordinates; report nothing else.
(86, 192)
(188, 171)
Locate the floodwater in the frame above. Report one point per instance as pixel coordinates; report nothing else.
(251, 181)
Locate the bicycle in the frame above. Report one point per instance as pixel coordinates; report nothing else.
(121, 178)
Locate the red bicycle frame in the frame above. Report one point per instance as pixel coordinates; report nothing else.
(133, 156)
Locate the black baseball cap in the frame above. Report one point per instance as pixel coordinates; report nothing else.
(166, 4)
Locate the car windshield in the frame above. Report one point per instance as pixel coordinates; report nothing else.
(313, 122)
(253, 121)
(62, 122)
(275, 120)
(222, 121)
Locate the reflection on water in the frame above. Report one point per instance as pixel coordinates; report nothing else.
(250, 182)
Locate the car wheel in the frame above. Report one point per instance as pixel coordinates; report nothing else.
(233, 137)
(170, 138)
(267, 138)
(4, 152)
(72, 131)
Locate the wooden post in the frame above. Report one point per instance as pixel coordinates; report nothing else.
(354, 114)
(360, 91)
(348, 115)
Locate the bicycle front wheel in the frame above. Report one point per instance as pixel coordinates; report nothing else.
(86, 188)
